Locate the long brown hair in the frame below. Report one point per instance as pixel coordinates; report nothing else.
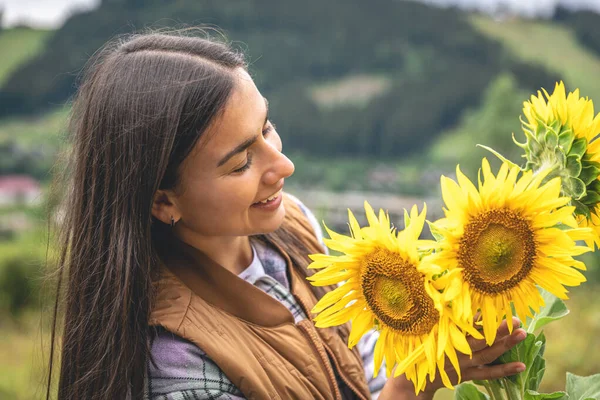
(143, 103)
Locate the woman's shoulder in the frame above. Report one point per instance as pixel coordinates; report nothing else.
(178, 368)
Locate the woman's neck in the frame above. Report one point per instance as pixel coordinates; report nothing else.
(231, 252)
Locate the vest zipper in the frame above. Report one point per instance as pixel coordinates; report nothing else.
(341, 375)
(330, 353)
(311, 335)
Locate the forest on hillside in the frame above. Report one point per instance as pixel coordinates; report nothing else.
(421, 66)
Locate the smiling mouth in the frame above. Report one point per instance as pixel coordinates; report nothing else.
(270, 198)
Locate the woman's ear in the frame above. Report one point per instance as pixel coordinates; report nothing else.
(164, 207)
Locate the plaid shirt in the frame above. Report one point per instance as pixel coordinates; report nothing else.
(182, 371)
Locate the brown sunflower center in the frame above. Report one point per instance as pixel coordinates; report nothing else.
(395, 292)
(497, 251)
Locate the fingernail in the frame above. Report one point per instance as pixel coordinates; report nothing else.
(520, 368)
(521, 335)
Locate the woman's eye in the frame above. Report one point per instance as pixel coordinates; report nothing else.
(268, 128)
(245, 166)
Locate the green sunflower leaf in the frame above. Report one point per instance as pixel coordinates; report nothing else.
(530, 166)
(575, 187)
(594, 186)
(579, 147)
(580, 208)
(565, 140)
(466, 391)
(556, 125)
(587, 160)
(535, 148)
(589, 173)
(563, 227)
(541, 126)
(538, 366)
(537, 373)
(583, 388)
(574, 165)
(551, 139)
(521, 145)
(500, 156)
(533, 395)
(435, 232)
(525, 352)
(560, 157)
(553, 310)
(591, 198)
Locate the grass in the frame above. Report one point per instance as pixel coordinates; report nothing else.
(32, 242)
(36, 132)
(572, 343)
(356, 90)
(22, 370)
(550, 45)
(22, 44)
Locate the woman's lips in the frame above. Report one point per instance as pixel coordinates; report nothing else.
(272, 204)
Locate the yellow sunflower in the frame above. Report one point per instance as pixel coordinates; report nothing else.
(385, 283)
(506, 237)
(572, 111)
(561, 133)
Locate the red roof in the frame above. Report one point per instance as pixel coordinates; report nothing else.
(18, 183)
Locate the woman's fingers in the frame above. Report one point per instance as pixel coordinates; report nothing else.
(482, 372)
(500, 346)
(479, 344)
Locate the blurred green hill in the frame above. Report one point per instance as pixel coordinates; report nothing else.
(419, 67)
(568, 46)
(18, 46)
(382, 80)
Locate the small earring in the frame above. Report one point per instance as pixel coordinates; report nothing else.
(172, 222)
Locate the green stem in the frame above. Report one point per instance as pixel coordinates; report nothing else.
(494, 389)
(512, 391)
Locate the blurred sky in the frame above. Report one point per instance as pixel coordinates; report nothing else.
(52, 13)
(42, 13)
(528, 8)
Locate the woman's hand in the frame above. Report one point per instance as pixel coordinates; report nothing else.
(476, 367)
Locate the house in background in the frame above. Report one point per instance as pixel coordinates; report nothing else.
(19, 190)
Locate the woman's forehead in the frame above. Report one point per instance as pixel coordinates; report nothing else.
(242, 117)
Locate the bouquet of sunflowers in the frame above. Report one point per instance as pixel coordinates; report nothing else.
(505, 247)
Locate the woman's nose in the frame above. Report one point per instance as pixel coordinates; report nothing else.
(281, 168)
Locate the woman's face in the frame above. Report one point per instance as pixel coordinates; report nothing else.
(233, 169)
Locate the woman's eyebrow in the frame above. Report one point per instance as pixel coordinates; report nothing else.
(247, 143)
(267, 113)
(238, 149)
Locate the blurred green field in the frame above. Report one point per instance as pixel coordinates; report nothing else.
(21, 45)
(548, 44)
(40, 132)
(22, 371)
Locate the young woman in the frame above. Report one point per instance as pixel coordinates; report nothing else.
(184, 262)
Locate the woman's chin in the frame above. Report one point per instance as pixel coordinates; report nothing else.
(272, 223)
